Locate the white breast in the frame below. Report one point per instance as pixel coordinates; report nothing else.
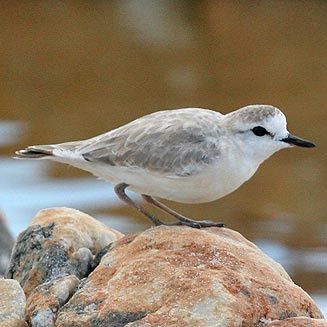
(213, 183)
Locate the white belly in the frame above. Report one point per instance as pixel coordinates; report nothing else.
(212, 184)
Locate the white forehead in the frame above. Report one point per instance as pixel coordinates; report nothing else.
(257, 115)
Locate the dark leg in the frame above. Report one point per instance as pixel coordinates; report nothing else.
(120, 191)
(182, 219)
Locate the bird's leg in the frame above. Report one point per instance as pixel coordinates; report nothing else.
(120, 191)
(182, 220)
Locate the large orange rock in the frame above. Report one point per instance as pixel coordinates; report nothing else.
(178, 276)
(297, 322)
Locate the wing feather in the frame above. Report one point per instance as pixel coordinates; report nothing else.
(178, 142)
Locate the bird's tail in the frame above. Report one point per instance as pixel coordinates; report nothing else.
(35, 152)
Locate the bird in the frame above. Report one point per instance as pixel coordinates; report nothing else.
(188, 155)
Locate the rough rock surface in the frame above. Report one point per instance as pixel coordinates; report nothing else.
(297, 322)
(12, 303)
(14, 322)
(59, 242)
(46, 299)
(178, 276)
(164, 276)
(6, 244)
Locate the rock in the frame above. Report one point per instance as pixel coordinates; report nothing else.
(12, 303)
(14, 322)
(6, 244)
(46, 299)
(59, 242)
(178, 276)
(297, 322)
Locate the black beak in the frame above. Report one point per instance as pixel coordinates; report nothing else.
(291, 139)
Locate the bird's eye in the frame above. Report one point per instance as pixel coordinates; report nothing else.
(259, 131)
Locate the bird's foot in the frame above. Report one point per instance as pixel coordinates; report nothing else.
(196, 224)
(209, 223)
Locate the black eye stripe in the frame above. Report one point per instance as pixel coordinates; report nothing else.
(259, 131)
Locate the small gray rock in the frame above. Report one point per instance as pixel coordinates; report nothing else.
(6, 244)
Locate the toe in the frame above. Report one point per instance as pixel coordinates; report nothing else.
(208, 223)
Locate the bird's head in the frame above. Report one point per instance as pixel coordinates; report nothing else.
(261, 130)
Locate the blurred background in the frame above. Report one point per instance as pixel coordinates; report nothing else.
(71, 70)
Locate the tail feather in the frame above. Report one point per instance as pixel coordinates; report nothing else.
(35, 152)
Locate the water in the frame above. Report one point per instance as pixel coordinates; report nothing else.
(26, 189)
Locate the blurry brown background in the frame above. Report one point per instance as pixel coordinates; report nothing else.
(75, 69)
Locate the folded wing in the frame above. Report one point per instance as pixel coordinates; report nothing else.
(179, 144)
